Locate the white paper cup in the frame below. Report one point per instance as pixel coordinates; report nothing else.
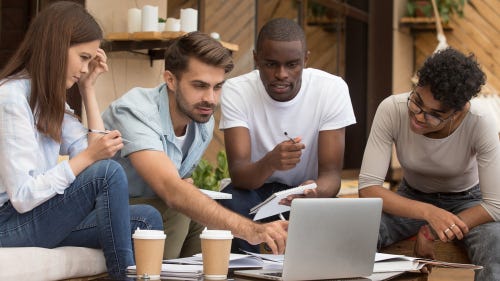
(215, 249)
(148, 252)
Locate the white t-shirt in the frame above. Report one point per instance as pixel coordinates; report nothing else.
(323, 103)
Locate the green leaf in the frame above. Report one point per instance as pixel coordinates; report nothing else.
(205, 176)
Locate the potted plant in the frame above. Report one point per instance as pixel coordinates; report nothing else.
(419, 8)
(206, 176)
(161, 24)
(446, 8)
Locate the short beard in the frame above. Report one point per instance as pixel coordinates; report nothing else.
(184, 108)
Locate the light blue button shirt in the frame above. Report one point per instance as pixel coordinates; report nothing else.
(142, 116)
(30, 173)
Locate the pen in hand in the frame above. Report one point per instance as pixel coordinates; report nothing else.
(286, 134)
(105, 133)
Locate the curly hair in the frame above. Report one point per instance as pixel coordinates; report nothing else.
(453, 78)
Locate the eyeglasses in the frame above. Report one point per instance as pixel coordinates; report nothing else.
(431, 119)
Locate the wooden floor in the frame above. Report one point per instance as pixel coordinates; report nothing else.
(444, 274)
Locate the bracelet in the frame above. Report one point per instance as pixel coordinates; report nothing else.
(427, 232)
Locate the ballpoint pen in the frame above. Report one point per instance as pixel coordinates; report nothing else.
(286, 134)
(104, 133)
(282, 217)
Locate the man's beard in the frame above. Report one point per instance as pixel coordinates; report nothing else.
(185, 109)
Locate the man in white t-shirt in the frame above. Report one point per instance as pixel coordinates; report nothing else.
(283, 125)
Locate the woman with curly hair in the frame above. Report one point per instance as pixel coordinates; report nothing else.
(82, 201)
(449, 151)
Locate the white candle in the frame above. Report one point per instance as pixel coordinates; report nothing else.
(189, 20)
(173, 24)
(150, 18)
(134, 20)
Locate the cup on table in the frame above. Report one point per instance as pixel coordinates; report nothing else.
(148, 252)
(215, 250)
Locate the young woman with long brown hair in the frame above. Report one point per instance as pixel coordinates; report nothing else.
(82, 201)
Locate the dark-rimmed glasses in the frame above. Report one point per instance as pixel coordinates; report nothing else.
(430, 118)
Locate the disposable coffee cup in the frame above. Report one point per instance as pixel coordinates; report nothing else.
(215, 250)
(148, 252)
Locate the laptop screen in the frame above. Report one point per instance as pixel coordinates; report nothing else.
(331, 238)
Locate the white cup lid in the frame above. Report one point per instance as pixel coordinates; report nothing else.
(149, 234)
(216, 234)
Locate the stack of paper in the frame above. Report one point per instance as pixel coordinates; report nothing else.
(236, 261)
(267, 257)
(395, 263)
(175, 271)
(271, 206)
(401, 263)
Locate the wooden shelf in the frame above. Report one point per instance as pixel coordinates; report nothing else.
(123, 41)
(124, 36)
(422, 23)
(153, 42)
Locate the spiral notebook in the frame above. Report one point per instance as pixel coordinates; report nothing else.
(271, 206)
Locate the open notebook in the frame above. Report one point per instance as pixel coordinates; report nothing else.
(271, 206)
(328, 238)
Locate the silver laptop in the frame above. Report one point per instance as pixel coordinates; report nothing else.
(328, 238)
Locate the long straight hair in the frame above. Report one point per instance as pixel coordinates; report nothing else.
(42, 57)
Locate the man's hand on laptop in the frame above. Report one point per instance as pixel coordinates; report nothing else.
(274, 234)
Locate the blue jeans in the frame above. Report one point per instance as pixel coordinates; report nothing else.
(93, 212)
(482, 242)
(244, 200)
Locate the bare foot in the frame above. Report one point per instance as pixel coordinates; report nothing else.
(424, 246)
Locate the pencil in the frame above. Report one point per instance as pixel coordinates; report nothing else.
(104, 133)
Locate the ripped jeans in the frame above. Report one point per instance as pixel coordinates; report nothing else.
(482, 242)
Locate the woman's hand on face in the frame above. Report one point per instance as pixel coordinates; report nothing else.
(96, 66)
(105, 146)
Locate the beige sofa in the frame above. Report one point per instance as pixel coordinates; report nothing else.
(32, 263)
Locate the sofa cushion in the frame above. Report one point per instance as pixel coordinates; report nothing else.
(32, 263)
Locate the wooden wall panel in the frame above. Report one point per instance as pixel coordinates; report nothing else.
(477, 32)
(234, 21)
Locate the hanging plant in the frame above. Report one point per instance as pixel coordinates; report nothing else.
(423, 8)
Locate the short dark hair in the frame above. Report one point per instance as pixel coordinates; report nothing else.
(197, 45)
(453, 78)
(281, 29)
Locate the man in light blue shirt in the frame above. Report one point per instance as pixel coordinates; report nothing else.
(169, 128)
